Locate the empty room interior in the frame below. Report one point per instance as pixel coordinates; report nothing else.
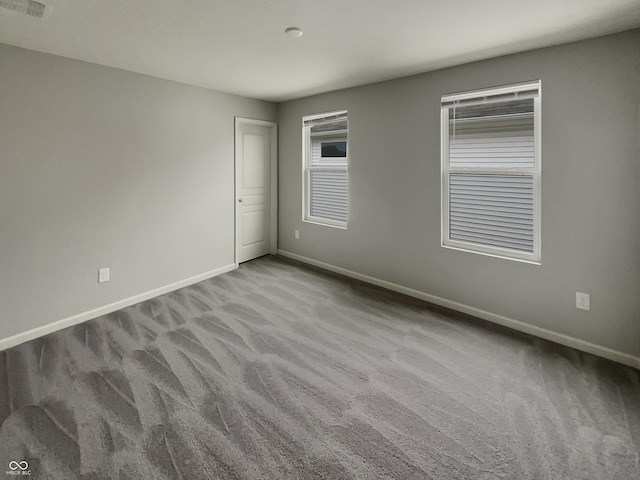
(298, 239)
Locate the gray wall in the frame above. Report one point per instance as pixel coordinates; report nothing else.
(101, 167)
(590, 190)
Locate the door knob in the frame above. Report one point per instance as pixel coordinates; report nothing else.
(240, 200)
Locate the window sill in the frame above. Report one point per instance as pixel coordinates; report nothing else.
(323, 224)
(494, 255)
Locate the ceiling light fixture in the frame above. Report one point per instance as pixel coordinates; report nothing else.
(30, 7)
(294, 32)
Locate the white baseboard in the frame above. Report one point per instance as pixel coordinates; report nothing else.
(112, 307)
(560, 338)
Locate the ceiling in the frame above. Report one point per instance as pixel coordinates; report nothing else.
(239, 46)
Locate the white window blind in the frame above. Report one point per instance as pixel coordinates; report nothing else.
(491, 172)
(495, 210)
(329, 195)
(326, 194)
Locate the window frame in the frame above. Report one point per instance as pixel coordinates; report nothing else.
(330, 165)
(536, 172)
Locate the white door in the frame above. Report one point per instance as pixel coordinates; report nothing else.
(256, 212)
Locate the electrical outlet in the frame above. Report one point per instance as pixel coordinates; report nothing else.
(296, 234)
(103, 275)
(583, 301)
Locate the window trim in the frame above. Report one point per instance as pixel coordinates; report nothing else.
(307, 168)
(446, 170)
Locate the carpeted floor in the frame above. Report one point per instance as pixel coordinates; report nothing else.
(279, 371)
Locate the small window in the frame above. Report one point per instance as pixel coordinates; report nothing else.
(325, 162)
(491, 172)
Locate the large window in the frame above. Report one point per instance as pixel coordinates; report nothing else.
(491, 171)
(325, 161)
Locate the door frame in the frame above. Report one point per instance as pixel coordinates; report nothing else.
(273, 174)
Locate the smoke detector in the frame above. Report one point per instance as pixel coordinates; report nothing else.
(28, 7)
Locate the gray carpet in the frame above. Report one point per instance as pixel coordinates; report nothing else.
(280, 371)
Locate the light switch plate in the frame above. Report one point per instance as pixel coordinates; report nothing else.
(296, 234)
